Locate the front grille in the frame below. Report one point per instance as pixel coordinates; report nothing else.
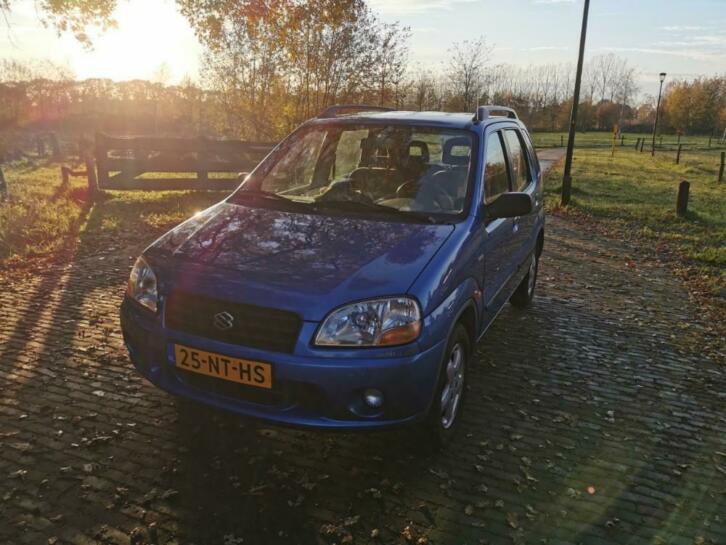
(253, 326)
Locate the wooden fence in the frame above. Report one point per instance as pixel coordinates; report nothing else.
(122, 161)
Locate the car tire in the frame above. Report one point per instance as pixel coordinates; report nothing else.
(444, 417)
(523, 295)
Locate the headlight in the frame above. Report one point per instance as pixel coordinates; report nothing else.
(379, 322)
(142, 285)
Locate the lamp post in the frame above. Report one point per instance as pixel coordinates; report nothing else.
(567, 177)
(662, 77)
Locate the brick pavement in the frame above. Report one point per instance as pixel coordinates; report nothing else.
(592, 418)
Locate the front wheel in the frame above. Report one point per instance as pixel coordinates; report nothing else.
(445, 414)
(523, 295)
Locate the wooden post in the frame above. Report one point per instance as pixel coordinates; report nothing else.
(682, 201)
(3, 185)
(637, 143)
(642, 143)
(678, 154)
(720, 170)
(562, 141)
(55, 145)
(622, 140)
(101, 154)
(202, 174)
(91, 173)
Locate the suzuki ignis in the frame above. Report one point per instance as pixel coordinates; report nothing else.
(346, 281)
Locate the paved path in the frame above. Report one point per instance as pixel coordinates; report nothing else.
(592, 418)
(549, 156)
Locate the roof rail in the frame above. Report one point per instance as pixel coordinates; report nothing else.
(339, 109)
(484, 112)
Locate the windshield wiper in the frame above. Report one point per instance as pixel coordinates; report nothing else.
(271, 196)
(362, 206)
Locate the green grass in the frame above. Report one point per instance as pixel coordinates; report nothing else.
(593, 139)
(42, 216)
(635, 194)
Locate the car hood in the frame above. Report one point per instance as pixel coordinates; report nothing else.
(307, 263)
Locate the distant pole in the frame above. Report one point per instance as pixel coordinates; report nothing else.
(721, 168)
(678, 154)
(567, 177)
(662, 77)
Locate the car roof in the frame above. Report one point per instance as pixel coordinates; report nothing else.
(400, 117)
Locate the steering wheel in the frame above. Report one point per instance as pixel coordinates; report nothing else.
(427, 192)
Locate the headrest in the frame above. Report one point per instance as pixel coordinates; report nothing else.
(454, 154)
(423, 146)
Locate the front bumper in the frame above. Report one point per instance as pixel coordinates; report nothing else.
(312, 390)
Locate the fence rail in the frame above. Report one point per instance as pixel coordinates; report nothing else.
(122, 160)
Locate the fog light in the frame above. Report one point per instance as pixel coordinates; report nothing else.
(373, 398)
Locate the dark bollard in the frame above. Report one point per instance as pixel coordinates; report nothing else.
(678, 154)
(682, 202)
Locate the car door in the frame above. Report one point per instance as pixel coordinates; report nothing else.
(523, 179)
(499, 262)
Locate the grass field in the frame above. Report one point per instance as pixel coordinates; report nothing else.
(42, 215)
(605, 139)
(634, 196)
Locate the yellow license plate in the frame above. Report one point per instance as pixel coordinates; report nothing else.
(251, 373)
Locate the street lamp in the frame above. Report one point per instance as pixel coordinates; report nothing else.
(662, 77)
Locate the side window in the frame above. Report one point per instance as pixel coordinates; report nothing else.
(496, 179)
(520, 167)
(297, 165)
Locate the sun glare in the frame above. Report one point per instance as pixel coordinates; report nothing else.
(149, 35)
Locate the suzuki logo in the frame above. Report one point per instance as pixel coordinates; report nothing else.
(223, 321)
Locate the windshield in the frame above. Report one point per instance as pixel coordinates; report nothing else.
(369, 168)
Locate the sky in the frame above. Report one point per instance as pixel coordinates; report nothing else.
(684, 38)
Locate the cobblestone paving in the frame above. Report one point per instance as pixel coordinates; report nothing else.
(592, 418)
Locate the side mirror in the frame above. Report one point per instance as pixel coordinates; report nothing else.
(509, 205)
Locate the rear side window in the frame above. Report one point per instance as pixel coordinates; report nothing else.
(533, 161)
(496, 180)
(518, 157)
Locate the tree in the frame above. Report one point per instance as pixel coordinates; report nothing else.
(71, 16)
(466, 72)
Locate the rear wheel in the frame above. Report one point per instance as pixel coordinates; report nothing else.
(523, 295)
(445, 414)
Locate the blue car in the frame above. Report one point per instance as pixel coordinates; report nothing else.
(346, 281)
